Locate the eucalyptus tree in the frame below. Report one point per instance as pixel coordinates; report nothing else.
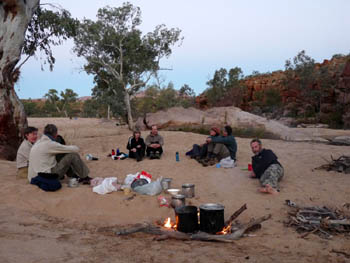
(116, 50)
(25, 29)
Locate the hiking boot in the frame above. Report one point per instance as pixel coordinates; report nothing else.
(157, 155)
(85, 180)
(152, 156)
(212, 161)
(205, 160)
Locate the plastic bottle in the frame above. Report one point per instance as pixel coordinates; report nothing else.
(118, 151)
(113, 152)
(177, 157)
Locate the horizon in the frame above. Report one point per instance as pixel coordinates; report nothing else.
(253, 36)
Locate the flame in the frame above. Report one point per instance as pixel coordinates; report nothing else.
(167, 223)
(225, 230)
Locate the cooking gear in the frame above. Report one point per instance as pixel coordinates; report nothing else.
(211, 218)
(186, 219)
(166, 182)
(188, 190)
(178, 201)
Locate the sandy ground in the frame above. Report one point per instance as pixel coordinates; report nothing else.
(76, 225)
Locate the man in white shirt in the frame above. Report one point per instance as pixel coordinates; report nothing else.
(22, 159)
(42, 158)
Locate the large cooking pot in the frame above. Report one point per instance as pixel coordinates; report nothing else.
(186, 219)
(188, 190)
(211, 218)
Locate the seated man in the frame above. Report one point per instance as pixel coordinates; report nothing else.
(225, 145)
(22, 160)
(136, 146)
(42, 158)
(216, 150)
(266, 168)
(154, 143)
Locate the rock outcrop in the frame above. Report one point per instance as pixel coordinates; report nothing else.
(220, 116)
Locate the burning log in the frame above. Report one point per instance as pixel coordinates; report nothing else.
(342, 164)
(168, 230)
(319, 220)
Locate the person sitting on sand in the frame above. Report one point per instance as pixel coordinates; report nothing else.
(42, 157)
(136, 146)
(22, 160)
(266, 168)
(227, 140)
(216, 150)
(200, 152)
(154, 143)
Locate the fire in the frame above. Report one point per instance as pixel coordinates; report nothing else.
(167, 223)
(225, 230)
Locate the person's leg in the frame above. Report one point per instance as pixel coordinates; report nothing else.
(270, 178)
(132, 154)
(151, 152)
(203, 151)
(71, 160)
(220, 151)
(138, 155)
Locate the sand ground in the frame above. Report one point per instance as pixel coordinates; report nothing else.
(76, 225)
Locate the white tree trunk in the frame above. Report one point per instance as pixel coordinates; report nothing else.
(15, 16)
(128, 110)
(108, 112)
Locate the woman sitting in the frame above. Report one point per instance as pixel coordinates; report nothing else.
(136, 146)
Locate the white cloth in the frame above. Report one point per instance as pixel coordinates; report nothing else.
(42, 157)
(108, 185)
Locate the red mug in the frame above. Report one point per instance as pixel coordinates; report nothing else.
(250, 167)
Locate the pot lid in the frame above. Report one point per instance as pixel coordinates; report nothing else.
(211, 206)
(178, 196)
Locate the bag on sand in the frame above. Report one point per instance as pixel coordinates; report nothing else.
(227, 162)
(154, 188)
(47, 182)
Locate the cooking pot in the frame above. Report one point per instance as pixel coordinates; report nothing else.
(211, 218)
(186, 219)
(166, 182)
(188, 190)
(178, 201)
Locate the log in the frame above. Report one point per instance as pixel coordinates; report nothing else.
(235, 215)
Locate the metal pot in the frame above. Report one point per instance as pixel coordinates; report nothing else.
(73, 182)
(178, 201)
(211, 218)
(186, 219)
(188, 190)
(166, 182)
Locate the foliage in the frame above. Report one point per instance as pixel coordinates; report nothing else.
(46, 29)
(62, 103)
(225, 85)
(118, 54)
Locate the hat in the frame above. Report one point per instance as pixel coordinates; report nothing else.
(215, 129)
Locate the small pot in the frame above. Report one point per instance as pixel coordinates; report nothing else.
(211, 218)
(186, 219)
(178, 201)
(188, 190)
(73, 182)
(166, 183)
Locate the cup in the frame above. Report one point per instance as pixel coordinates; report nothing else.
(250, 167)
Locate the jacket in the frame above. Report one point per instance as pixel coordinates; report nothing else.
(230, 143)
(262, 161)
(154, 139)
(22, 159)
(132, 143)
(42, 157)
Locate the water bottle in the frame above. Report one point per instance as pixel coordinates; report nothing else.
(118, 151)
(113, 152)
(177, 157)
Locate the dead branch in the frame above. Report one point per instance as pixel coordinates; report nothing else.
(235, 215)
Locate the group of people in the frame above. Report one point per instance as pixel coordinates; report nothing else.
(50, 155)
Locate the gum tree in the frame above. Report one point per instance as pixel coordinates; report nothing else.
(25, 29)
(116, 51)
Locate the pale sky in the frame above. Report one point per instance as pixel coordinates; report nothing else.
(251, 34)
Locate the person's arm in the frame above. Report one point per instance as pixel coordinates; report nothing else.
(161, 141)
(56, 148)
(221, 139)
(143, 145)
(128, 146)
(148, 140)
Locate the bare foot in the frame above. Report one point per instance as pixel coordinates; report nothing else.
(268, 189)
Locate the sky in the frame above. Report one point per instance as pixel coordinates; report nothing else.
(254, 35)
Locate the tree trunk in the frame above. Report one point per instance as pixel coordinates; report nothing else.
(108, 111)
(128, 110)
(15, 16)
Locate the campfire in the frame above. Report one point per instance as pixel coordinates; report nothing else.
(167, 229)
